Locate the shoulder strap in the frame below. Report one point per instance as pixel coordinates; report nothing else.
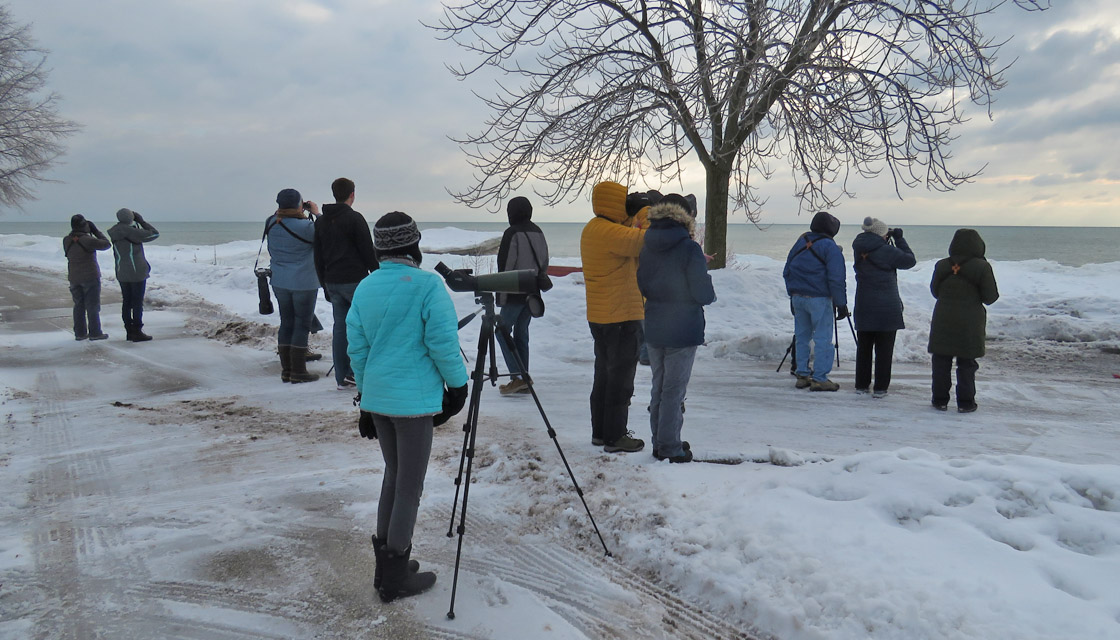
(535, 258)
(74, 241)
(264, 236)
(809, 247)
(292, 233)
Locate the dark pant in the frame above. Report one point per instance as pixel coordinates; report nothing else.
(881, 345)
(297, 307)
(87, 308)
(406, 445)
(616, 361)
(515, 317)
(966, 380)
(132, 304)
(342, 295)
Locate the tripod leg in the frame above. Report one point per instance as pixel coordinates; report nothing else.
(788, 349)
(836, 332)
(503, 334)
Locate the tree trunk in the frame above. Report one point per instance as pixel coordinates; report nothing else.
(715, 215)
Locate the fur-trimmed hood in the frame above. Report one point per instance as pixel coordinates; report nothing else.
(674, 213)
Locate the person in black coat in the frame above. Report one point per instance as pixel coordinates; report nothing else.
(523, 246)
(344, 256)
(878, 253)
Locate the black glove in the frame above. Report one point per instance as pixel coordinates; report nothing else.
(137, 217)
(453, 401)
(896, 233)
(842, 312)
(365, 420)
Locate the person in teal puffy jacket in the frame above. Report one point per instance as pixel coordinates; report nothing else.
(403, 343)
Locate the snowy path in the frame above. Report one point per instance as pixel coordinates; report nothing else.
(191, 513)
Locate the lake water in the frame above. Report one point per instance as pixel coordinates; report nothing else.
(1072, 246)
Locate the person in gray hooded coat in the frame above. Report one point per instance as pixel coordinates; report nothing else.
(128, 236)
(84, 275)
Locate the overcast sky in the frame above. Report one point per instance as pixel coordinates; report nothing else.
(204, 109)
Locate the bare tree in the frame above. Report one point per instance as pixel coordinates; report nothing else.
(31, 131)
(618, 89)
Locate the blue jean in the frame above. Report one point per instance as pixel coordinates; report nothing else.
(132, 303)
(87, 308)
(515, 316)
(342, 295)
(296, 308)
(672, 368)
(813, 319)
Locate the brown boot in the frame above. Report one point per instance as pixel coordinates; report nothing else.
(299, 366)
(285, 351)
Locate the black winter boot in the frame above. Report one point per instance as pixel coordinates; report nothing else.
(136, 335)
(379, 555)
(397, 581)
(285, 352)
(299, 366)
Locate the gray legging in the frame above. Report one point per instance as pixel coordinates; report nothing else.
(406, 444)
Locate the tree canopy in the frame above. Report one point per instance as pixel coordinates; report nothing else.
(592, 90)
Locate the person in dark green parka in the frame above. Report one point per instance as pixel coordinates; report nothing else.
(962, 284)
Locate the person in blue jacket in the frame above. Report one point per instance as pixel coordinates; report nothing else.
(403, 341)
(291, 236)
(814, 275)
(673, 278)
(878, 253)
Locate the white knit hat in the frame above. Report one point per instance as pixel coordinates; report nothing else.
(875, 225)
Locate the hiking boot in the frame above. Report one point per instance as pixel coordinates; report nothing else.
(941, 406)
(684, 445)
(596, 442)
(625, 444)
(517, 385)
(99, 336)
(79, 338)
(863, 392)
(802, 382)
(134, 334)
(687, 457)
(879, 393)
(967, 408)
(313, 355)
(823, 385)
(398, 581)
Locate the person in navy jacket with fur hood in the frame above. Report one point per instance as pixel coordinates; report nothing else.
(878, 308)
(673, 278)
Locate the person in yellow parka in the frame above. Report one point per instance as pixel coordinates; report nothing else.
(609, 247)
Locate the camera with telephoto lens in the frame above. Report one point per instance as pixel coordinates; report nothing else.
(265, 306)
(522, 281)
(307, 205)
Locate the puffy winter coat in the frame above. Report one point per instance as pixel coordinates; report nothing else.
(878, 305)
(81, 250)
(815, 268)
(673, 277)
(291, 237)
(523, 247)
(403, 340)
(962, 283)
(609, 250)
(344, 252)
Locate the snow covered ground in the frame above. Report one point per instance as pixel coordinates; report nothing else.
(176, 489)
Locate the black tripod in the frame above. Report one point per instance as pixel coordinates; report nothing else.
(486, 335)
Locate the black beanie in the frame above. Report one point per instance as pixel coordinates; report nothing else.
(519, 210)
(395, 234)
(78, 222)
(825, 223)
(680, 201)
(288, 199)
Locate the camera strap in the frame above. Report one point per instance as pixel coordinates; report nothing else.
(272, 223)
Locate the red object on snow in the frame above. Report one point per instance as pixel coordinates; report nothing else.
(1116, 375)
(562, 271)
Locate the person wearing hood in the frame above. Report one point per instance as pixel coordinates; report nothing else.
(403, 338)
(291, 239)
(962, 284)
(814, 276)
(344, 254)
(132, 269)
(878, 253)
(523, 246)
(637, 208)
(84, 276)
(673, 277)
(609, 249)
